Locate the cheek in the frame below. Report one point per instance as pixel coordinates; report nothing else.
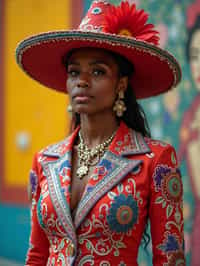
(69, 87)
(106, 97)
(105, 89)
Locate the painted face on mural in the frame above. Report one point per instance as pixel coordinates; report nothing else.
(195, 58)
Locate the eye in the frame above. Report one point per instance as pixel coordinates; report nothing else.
(98, 72)
(73, 72)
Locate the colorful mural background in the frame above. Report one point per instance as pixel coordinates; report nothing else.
(174, 117)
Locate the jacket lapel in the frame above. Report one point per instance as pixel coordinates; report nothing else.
(58, 173)
(113, 167)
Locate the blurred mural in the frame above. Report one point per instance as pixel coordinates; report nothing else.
(32, 116)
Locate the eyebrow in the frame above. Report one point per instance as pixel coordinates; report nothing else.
(95, 62)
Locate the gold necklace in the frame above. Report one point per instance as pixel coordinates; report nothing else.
(89, 157)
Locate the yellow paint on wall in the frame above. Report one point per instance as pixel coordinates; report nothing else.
(31, 110)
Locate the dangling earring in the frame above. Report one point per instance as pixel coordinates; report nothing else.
(119, 106)
(69, 109)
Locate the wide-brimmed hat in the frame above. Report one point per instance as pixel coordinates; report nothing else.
(121, 29)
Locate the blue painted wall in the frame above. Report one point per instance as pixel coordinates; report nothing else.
(14, 232)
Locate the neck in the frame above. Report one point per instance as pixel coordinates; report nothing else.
(98, 128)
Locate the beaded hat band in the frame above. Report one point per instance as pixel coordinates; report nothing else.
(120, 29)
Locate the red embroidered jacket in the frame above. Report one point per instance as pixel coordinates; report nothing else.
(137, 179)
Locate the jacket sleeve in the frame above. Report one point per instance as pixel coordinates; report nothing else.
(38, 244)
(166, 210)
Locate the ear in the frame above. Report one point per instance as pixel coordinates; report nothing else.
(122, 84)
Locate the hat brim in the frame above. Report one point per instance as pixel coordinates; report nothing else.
(41, 57)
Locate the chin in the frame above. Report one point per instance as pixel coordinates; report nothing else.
(83, 110)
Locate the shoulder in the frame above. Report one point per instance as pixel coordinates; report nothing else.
(162, 152)
(51, 152)
(55, 149)
(155, 144)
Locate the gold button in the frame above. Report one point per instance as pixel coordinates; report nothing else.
(71, 250)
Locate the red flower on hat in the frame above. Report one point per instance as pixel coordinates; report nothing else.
(127, 20)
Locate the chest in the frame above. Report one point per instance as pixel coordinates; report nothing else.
(78, 185)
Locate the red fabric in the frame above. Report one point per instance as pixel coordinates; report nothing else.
(143, 188)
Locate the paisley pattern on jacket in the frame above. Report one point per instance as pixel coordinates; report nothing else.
(137, 179)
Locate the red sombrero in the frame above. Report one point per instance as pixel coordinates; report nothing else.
(121, 29)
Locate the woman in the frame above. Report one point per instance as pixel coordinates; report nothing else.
(93, 193)
(190, 129)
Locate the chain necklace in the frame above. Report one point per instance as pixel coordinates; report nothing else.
(89, 157)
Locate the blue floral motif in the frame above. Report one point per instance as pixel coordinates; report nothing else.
(123, 213)
(106, 163)
(170, 244)
(159, 174)
(33, 179)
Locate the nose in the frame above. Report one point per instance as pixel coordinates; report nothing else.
(83, 81)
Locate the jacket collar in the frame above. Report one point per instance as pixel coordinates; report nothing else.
(126, 142)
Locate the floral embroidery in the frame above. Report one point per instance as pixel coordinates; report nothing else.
(86, 259)
(156, 142)
(107, 241)
(173, 158)
(170, 244)
(131, 143)
(98, 227)
(137, 170)
(168, 181)
(56, 150)
(172, 187)
(104, 263)
(64, 171)
(176, 259)
(33, 181)
(173, 249)
(123, 213)
(39, 212)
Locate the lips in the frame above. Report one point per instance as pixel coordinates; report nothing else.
(76, 92)
(81, 97)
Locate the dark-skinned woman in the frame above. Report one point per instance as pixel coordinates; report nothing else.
(94, 192)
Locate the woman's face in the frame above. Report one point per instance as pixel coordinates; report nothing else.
(195, 58)
(92, 81)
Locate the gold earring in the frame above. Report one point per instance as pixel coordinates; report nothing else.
(69, 109)
(119, 106)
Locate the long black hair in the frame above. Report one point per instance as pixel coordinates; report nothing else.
(134, 116)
